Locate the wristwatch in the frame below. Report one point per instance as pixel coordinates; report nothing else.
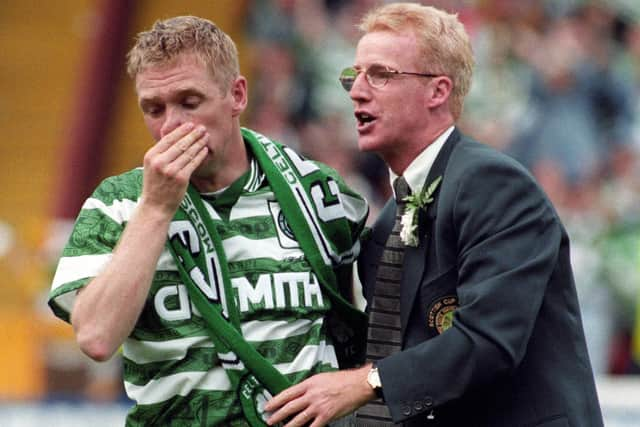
(373, 379)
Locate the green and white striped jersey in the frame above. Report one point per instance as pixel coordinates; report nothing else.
(171, 369)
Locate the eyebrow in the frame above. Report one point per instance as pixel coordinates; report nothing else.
(376, 64)
(182, 93)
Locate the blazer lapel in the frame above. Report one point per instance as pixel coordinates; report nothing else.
(415, 258)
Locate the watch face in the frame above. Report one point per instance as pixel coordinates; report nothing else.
(373, 378)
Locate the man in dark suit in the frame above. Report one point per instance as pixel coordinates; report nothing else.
(474, 319)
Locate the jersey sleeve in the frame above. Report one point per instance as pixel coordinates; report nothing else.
(95, 234)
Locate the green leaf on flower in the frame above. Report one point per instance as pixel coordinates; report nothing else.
(423, 198)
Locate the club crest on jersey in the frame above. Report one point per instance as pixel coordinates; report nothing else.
(285, 235)
(440, 313)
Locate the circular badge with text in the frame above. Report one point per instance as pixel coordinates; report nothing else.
(440, 314)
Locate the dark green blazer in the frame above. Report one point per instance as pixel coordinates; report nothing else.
(492, 333)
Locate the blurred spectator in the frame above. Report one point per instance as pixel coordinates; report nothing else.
(577, 106)
(299, 49)
(495, 106)
(281, 65)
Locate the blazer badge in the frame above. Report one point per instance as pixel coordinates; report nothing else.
(440, 314)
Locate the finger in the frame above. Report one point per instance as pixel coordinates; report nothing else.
(187, 141)
(179, 148)
(170, 139)
(293, 407)
(302, 419)
(186, 157)
(284, 397)
(194, 162)
(318, 422)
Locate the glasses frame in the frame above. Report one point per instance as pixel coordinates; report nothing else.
(347, 81)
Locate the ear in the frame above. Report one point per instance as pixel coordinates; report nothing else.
(239, 95)
(440, 90)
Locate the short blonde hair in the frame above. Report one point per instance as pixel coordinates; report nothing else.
(170, 38)
(442, 40)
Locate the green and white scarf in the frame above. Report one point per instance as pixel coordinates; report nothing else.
(309, 200)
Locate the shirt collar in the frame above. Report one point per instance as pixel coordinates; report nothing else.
(418, 170)
(255, 179)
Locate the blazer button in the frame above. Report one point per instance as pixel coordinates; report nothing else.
(406, 409)
(417, 405)
(428, 402)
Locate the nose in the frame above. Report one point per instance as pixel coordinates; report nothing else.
(360, 88)
(173, 118)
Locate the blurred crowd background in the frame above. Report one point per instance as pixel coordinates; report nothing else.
(556, 86)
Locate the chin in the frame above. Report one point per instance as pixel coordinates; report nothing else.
(366, 144)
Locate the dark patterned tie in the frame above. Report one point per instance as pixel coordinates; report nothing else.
(384, 334)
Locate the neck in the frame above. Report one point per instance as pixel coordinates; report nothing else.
(399, 160)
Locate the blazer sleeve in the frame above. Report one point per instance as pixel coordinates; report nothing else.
(506, 237)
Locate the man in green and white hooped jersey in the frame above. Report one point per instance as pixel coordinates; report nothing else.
(118, 283)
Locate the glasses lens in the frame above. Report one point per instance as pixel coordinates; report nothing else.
(377, 75)
(347, 77)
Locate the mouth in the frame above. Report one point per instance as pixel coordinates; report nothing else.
(365, 121)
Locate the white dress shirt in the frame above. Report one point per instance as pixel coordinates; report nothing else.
(418, 170)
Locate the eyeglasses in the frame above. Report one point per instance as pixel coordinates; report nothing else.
(377, 75)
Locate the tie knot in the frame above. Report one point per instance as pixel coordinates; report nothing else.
(401, 188)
